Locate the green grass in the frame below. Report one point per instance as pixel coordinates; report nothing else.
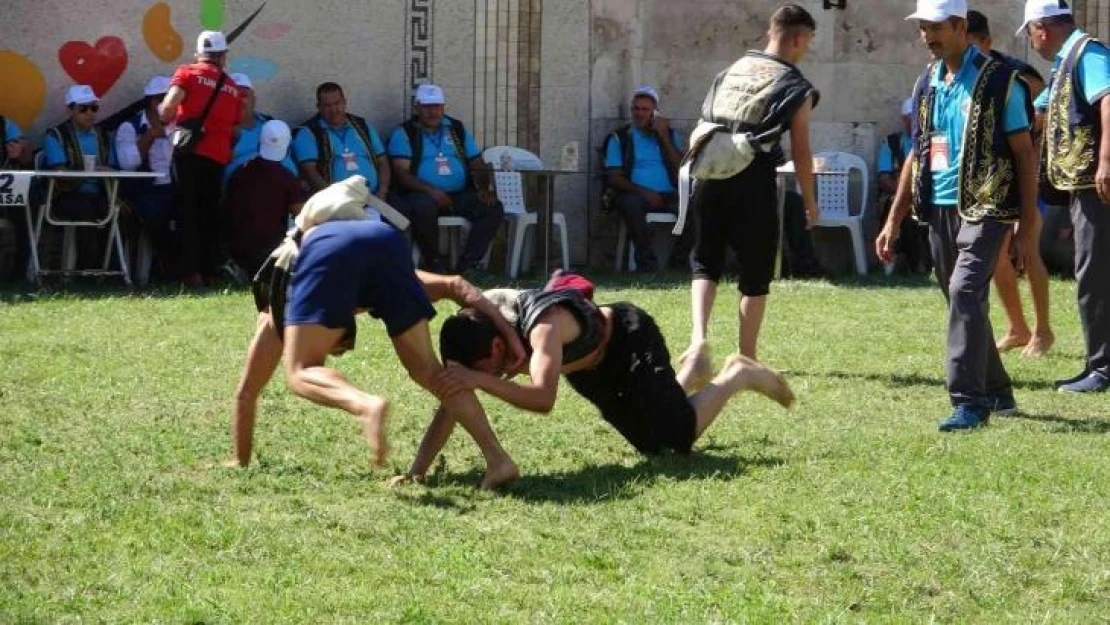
(851, 508)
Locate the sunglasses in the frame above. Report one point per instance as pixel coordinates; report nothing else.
(83, 108)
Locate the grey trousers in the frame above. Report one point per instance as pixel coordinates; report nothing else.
(1091, 219)
(964, 258)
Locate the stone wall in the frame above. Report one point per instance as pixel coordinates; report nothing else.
(547, 76)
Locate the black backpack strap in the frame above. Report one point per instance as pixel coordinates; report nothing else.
(363, 131)
(458, 134)
(324, 154)
(628, 151)
(416, 143)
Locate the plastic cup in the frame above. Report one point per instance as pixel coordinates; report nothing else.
(90, 162)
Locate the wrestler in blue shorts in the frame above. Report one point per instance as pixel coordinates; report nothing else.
(343, 268)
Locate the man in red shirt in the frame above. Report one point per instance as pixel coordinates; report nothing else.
(199, 172)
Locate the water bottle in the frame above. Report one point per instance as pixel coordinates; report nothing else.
(506, 162)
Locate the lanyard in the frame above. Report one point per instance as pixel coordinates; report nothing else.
(437, 141)
(342, 138)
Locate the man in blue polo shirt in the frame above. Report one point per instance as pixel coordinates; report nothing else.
(440, 169)
(641, 161)
(78, 145)
(250, 131)
(14, 154)
(335, 145)
(970, 195)
(1076, 160)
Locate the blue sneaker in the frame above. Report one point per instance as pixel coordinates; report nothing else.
(966, 417)
(1004, 405)
(1093, 383)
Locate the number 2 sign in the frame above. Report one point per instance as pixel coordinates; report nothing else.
(13, 187)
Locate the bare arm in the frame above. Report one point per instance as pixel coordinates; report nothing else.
(547, 359)
(406, 179)
(1025, 157)
(466, 295)
(803, 158)
(383, 177)
(312, 176)
(899, 209)
(662, 127)
(168, 108)
(1102, 177)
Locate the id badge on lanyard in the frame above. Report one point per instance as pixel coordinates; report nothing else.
(938, 152)
(350, 161)
(443, 166)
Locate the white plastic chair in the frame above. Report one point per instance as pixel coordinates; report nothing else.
(510, 190)
(667, 219)
(833, 199)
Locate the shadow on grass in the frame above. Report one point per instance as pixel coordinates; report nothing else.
(1091, 425)
(596, 483)
(914, 379)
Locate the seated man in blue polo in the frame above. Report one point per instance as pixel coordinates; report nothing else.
(440, 169)
(143, 144)
(334, 145)
(15, 154)
(250, 131)
(77, 144)
(912, 248)
(641, 161)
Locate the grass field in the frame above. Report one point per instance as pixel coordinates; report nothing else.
(851, 508)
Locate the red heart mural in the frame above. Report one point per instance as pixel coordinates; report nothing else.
(99, 65)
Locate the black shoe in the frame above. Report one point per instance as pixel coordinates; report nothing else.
(1093, 383)
(1072, 380)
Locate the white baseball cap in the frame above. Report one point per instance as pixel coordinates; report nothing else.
(1040, 9)
(274, 144)
(80, 94)
(211, 41)
(430, 94)
(158, 85)
(242, 80)
(939, 10)
(646, 90)
(907, 106)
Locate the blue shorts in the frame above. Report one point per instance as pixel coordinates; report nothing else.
(347, 265)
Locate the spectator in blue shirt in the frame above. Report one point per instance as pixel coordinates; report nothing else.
(250, 131)
(15, 155)
(439, 167)
(641, 161)
(77, 144)
(335, 145)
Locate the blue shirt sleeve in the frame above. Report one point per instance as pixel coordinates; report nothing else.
(613, 153)
(376, 145)
(886, 159)
(11, 130)
(399, 144)
(472, 149)
(1094, 72)
(1041, 103)
(676, 140)
(1016, 117)
(55, 155)
(304, 146)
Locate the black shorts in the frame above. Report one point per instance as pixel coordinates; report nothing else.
(634, 386)
(742, 213)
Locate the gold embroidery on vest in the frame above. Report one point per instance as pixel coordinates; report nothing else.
(985, 177)
(1069, 151)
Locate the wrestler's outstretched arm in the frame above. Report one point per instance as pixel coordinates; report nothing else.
(263, 357)
(414, 348)
(466, 295)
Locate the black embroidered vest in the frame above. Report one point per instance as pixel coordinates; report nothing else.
(1073, 128)
(987, 187)
(532, 304)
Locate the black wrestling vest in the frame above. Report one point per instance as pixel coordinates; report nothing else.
(532, 304)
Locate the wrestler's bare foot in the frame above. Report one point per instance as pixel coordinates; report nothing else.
(696, 367)
(756, 376)
(503, 474)
(373, 419)
(403, 480)
(1039, 345)
(1011, 341)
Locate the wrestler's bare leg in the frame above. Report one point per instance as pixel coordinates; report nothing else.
(306, 350)
(263, 357)
(740, 373)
